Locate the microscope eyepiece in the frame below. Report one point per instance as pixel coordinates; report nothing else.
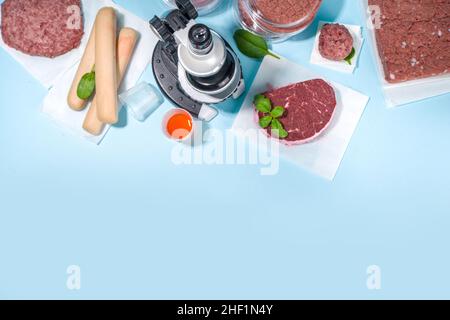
(200, 38)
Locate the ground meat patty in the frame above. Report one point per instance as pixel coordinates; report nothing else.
(414, 38)
(45, 28)
(335, 42)
(309, 105)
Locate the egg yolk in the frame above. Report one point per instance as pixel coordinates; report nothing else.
(179, 126)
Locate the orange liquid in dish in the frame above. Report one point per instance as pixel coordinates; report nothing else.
(179, 126)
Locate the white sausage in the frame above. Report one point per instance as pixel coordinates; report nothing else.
(125, 48)
(106, 65)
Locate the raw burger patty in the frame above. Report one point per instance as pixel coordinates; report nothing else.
(41, 27)
(414, 38)
(309, 105)
(335, 42)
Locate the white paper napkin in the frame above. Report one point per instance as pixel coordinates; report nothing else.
(47, 70)
(342, 66)
(324, 155)
(55, 104)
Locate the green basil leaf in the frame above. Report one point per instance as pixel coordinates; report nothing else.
(276, 127)
(264, 122)
(278, 130)
(86, 86)
(350, 56)
(251, 45)
(277, 112)
(262, 103)
(283, 133)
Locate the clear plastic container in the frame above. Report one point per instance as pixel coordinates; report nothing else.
(141, 100)
(203, 6)
(276, 20)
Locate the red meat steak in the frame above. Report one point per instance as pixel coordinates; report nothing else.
(309, 105)
(45, 28)
(414, 38)
(335, 42)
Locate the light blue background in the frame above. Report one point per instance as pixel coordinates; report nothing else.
(141, 227)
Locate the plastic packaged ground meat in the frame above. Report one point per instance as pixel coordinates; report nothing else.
(276, 19)
(413, 39)
(410, 41)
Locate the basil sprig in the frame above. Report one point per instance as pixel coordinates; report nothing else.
(270, 116)
(251, 45)
(262, 103)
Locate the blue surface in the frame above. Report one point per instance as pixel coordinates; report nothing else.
(141, 227)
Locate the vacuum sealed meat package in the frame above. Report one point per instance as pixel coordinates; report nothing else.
(411, 47)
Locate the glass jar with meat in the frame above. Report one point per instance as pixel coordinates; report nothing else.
(203, 7)
(276, 20)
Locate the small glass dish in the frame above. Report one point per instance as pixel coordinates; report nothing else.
(203, 7)
(275, 20)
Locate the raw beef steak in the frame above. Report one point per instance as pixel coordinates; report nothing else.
(309, 106)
